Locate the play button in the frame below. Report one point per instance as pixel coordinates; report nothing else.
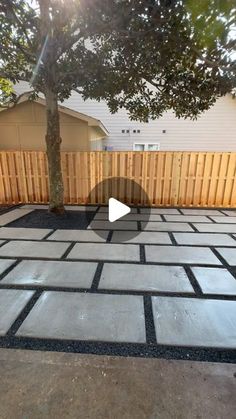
(117, 210)
(123, 209)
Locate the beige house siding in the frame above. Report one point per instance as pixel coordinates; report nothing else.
(24, 127)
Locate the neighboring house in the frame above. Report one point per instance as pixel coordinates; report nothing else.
(214, 130)
(23, 127)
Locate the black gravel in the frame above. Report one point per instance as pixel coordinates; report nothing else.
(43, 219)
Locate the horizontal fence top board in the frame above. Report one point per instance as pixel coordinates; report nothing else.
(169, 178)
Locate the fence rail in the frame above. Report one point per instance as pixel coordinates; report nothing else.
(169, 178)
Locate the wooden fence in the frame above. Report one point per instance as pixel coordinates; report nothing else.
(198, 179)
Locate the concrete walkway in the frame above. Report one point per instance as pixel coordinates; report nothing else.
(50, 385)
(168, 291)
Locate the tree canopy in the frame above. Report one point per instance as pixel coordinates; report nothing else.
(147, 56)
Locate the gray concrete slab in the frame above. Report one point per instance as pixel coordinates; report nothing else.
(187, 218)
(13, 215)
(196, 211)
(1, 242)
(116, 276)
(142, 237)
(215, 281)
(105, 209)
(52, 274)
(224, 219)
(181, 254)
(231, 213)
(215, 228)
(228, 254)
(96, 317)
(159, 211)
(80, 208)
(105, 251)
(194, 322)
(5, 264)
(79, 235)
(12, 303)
(49, 385)
(33, 249)
(35, 207)
(23, 233)
(130, 217)
(207, 239)
(165, 226)
(117, 225)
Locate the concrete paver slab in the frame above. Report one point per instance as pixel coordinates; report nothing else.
(12, 303)
(97, 317)
(79, 235)
(105, 251)
(231, 213)
(194, 322)
(52, 273)
(35, 207)
(229, 255)
(215, 281)
(13, 215)
(215, 228)
(187, 218)
(181, 254)
(80, 208)
(144, 278)
(225, 220)
(105, 209)
(130, 217)
(165, 226)
(142, 237)
(5, 264)
(159, 211)
(194, 211)
(206, 239)
(23, 233)
(33, 249)
(117, 225)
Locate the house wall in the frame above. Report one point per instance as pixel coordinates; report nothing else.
(214, 130)
(24, 127)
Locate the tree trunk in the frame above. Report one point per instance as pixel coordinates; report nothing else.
(53, 142)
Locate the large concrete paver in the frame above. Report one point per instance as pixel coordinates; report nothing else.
(79, 235)
(159, 211)
(144, 278)
(228, 254)
(231, 213)
(5, 264)
(105, 251)
(215, 281)
(12, 303)
(52, 273)
(194, 211)
(35, 207)
(130, 217)
(226, 220)
(49, 385)
(194, 322)
(96, 317)
(23, 233)
(165, 226)
(13, 215)
(142, 237)
(33, 249)
(181, 254)
(206, 239)
(80, 208)
(105, 209)
(117, 225)
(215, 228)
(187, 218)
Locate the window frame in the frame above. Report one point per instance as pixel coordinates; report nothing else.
(146, 146)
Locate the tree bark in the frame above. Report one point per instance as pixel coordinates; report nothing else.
(53, 142)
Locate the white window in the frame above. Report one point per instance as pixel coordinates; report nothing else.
(146, 147)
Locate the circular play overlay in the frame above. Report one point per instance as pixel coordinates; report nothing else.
(127, 192)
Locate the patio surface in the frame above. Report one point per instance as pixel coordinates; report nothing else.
(167, 291)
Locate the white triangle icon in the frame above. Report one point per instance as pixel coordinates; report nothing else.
(117, 210)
